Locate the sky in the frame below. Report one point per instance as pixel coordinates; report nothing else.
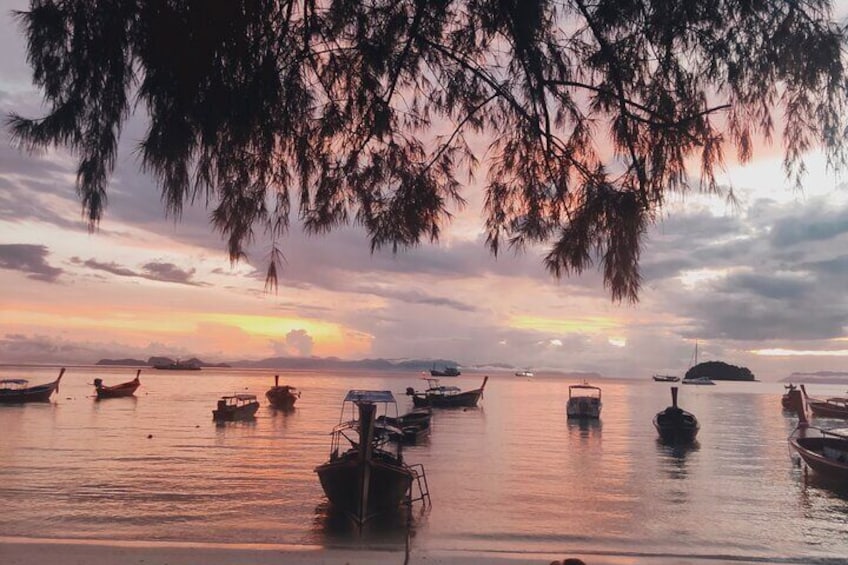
(761, 284)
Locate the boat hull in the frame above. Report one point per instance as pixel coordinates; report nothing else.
(812, 450)
(229, 414)
(118, 391)
(348, 481)
(584, 408)
(466, 399)
(38, 393)
(281, 398)
(828, 410)
(676, 426)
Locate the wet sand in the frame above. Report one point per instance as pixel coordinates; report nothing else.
(37, 551)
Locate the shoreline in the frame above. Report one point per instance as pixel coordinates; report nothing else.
(48, 551)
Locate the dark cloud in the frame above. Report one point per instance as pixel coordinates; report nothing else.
(154, 270)
(815, 224)
(30, 259)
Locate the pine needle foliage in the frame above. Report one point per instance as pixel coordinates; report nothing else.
(366, 112)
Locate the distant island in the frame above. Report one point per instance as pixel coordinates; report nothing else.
(818, 377)
(160, 362)
(720, 371)
(335, 363)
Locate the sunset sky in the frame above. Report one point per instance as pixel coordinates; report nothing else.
(762, 284)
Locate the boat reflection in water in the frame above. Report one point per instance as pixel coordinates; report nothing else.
(366, 475)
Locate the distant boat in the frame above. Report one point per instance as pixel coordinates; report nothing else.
(824, 451)
(236, 407)
(666, 378)
(282, 397)
(446, 372)
(124, 389)
(675, 425)
(702, 380)
(177, 366)
(584, 401)
(524, 374)
(16, 391)
(364, 476)
(439, 396)
(786, 399)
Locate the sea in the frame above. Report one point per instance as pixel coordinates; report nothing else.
(513, 475)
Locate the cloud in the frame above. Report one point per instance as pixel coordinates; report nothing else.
(154, 270)
(815, 224)
(30, 259)
(297, 343)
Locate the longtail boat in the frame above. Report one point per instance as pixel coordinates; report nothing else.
(115, 391)
(236, 407)
(366, 475)
(824, 451)
(439, 396)
(16, 391)
(675, 425)
(282, 397)
(835, 407)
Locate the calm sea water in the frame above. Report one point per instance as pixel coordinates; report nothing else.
(513, 475)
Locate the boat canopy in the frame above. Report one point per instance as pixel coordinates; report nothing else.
(240, 397)
(369, 396)
(14, 382)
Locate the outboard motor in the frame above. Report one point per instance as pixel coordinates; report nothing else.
(410, 391)
(98, 383)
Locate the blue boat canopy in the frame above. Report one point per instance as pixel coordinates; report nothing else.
(369, 396)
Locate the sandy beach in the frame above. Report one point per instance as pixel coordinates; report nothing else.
(37, 551)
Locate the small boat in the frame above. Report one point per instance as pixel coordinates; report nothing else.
(16, 391)
(236, 407)
(440, 396)
(364, 476)
(675, 425)
(446, 372)
(177, 366)
(697, 381)
(524, 374)
(124, 389)
(666, 378)
(786, 399)
(410, 428)
(824, 451)
(584, 401)
(282, 397)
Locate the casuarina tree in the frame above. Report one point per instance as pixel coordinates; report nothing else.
(581, 116)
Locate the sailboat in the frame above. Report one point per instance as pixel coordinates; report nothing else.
(702, 380)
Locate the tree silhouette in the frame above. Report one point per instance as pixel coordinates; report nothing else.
(343, 111)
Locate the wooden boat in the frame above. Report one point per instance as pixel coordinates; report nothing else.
(439, 396)
(675, 425)
(364, 477)
(282, 397)
(16, 391)
(410, 428)
(785, 400)
(446, 372)
(835, 407)
(584, 401)
(824, 451)
(115, 391)
(236, 407)
(666, 378)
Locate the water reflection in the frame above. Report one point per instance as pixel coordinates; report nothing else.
(332, 527)
(672, 458)
(584, 429)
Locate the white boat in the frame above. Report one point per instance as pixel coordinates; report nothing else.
(584, 401)
(524, 373)
(703, 379)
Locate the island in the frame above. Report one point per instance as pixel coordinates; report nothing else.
(720, 371)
